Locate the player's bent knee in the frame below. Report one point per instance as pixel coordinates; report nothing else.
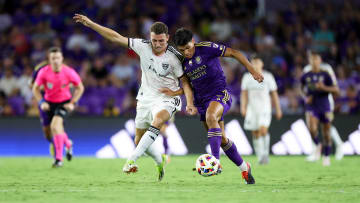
(211, 119)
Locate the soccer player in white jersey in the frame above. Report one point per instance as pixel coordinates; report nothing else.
(161, 68)
(339, 154)
(256, 108)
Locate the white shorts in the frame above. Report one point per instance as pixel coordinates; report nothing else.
(146, 110)
(255, 120)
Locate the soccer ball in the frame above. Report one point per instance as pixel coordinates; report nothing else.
(207, 165)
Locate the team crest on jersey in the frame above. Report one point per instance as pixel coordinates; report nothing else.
(190, 62)
(49, 85)
(321, 78)
(198, 59)
(308, 79)
(165, 66)
(215, 46)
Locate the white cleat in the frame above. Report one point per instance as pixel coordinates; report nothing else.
(326, 161)
(339, 154)
(130, 167)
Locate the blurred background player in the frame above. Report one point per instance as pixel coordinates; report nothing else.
(317, 85)
(212, 99)
(57, 101)
(161, 67)
(256, 108)
(339, 154)
(165, 136)
(42, 114)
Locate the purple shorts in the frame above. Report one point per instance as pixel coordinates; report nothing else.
(323, 116)
(223, 97)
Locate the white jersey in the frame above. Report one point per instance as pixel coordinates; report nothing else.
(325, 67)
(259, 93)
(157, 71)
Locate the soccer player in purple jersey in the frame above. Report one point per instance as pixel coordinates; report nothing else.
(317, 84)
(43, 115)
(211, 97)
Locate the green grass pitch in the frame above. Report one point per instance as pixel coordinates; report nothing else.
(285, 179)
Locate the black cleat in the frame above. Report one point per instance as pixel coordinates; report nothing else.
(57, 164)
(69, 152)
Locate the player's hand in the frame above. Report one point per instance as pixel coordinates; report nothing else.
(45, 106)
(257, 75)
(320, 86)
(69, 107)
(192, 110)
(167, 91)
(82, 19)
(278, 115)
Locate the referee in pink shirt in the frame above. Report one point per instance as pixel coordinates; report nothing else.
(58, 101)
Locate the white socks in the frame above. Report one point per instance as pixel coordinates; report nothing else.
(243, 166)
(334, 134)
(267, 145)
(147, 139)
(258, 147)
(155, 154)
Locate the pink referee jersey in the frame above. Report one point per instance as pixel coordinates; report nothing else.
(56, 84)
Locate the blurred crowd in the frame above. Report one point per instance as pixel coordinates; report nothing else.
(281, 35)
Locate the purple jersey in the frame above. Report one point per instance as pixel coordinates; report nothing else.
(320, 99)
(205, 72)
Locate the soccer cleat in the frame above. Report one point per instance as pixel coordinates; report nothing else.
(219, 171)
(161, 168)
(69, 152)
(166, 157)
(326, 161)
(57, 164)
(130, 167)
(52, 149)
(339, 154)
(247, 176)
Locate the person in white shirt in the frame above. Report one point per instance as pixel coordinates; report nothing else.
(334, 134)
(161, 68)
(256, 108)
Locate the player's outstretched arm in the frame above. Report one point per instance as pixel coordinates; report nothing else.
(243, 60)
(276, 102)
(244, 102)
(103, 31)
(190, 108)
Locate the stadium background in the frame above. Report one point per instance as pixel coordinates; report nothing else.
(279, 30)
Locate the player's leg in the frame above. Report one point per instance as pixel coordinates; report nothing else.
(130, 166)
(339, 154)
(213, 115)
(263, 132)
(312, 123)
(57, 130)
(325, 127)
(231, 151)
(45, 119)
(257, 142)
(165, 141)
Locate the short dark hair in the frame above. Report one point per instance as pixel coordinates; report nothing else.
(159, 28)
(314, 52)
(182, 36)
(53, 50)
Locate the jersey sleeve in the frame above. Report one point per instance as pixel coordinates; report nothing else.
(244, 82)
(213, 49)
(138, 45)
(272, 83)
(74, 77)
(40, 78)
(178, 70)
(332, 74)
